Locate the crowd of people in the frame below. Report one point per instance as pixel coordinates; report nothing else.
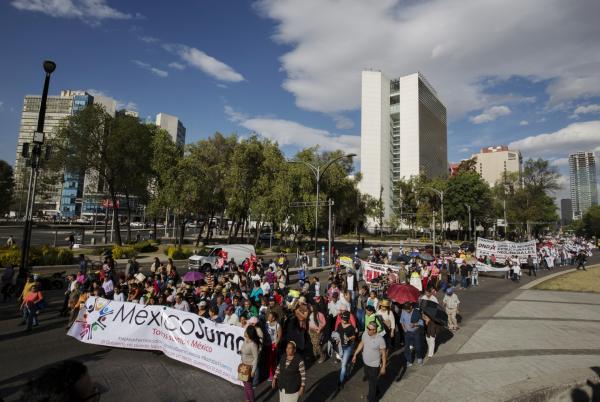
(290, 325)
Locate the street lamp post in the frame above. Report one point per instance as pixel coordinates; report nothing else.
(319, 171)
(441, 195)
(38, 141)
(470, 230)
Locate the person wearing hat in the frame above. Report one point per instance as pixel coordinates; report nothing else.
(389, 322)
(347, 334)
(203, 309)
(290, 375)
(451, 303)
(374, 354)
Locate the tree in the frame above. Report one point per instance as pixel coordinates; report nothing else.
(591, 222)
(93, 140)
(6, 186)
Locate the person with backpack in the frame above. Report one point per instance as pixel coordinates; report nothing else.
(347, 336)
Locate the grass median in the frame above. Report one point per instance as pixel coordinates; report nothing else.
(578, 281)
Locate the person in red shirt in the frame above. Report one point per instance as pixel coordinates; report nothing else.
(30, 307)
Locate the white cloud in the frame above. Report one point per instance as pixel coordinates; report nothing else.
(153, 70)
(456, 45)
(121, 104)
(342, 122)
(490, 114)
(523, 123)
(573, 138)
(91, 11)
(198, 59)
(148, 39)
(560, 162)
(587, 109)
(176, 66)
(291, 133)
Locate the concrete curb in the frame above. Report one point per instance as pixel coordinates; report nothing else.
(541, 389)
(533, 284)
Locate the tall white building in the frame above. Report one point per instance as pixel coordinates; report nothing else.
(494, 162)
(173, 126)
(584, 190)
(403, 133)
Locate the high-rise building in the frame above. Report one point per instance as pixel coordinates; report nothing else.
(566, 211)
(403, 133)
(584, 190)
(60, 199)
(173, 126)
(494, 162)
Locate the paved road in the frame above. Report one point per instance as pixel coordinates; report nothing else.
(140, 375)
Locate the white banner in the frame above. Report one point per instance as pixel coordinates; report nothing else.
(481, 267)
(505, 249)
(372, 270)
(180, 335)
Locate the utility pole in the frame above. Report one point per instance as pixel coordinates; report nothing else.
(330, 202)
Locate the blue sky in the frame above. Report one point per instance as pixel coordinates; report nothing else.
(290, 70)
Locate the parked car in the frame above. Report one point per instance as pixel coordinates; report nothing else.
(137, 224)
(207, 258)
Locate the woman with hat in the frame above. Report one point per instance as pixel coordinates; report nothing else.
(389, 322)
(290, 375)
(347, 333)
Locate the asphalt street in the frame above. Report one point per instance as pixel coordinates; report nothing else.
(126, 375)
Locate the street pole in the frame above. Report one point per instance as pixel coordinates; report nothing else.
(505, 222)
(329, 233)
(318, 178)
(38, 140)
(443, 228)
(433, 234)
(470, 230)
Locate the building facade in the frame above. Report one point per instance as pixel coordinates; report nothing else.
(173, 126)
(494, 162)
(403, 133)
(566, 212)
(62, 200)
(584, 190)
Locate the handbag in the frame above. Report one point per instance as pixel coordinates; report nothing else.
(244, 371)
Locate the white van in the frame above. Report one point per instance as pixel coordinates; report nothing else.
(207, 258)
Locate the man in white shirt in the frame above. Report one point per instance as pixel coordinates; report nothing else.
(181, 304)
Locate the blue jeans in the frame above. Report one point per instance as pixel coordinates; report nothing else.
(463, 281)
(30, 317)
(413, 338)
(346, 357)
(453, 279)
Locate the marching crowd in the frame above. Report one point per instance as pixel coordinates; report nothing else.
(288, 327)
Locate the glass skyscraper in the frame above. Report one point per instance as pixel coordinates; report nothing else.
(584, 190)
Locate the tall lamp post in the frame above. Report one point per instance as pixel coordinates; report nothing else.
(470, 230)
(319, 171)
(36, 151)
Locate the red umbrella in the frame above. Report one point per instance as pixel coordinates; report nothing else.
(402, 293)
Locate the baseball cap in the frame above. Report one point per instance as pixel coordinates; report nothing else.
(253, 320)
(346, 315)
(203, 303)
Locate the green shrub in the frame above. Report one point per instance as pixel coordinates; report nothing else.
(44, 255)
(178, 253)
(123, 252)
(145, 246)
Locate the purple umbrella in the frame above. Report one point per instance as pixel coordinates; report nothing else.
(193, 276)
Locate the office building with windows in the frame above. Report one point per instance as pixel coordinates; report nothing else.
(584, 190)
(566, 211)
(173, 126)
(58, 198)
(492, 163)
(403, 133)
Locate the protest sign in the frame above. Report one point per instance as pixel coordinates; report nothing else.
(372, 270)
(481, 267)
(180, 335)
(505, 249)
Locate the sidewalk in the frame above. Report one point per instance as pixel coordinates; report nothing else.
(532, 342)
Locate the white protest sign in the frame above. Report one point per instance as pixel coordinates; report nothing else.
(372, 270)
(481, 267)
(505, 249)
(180, 335)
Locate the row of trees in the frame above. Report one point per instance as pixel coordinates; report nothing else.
(525, 200)
(224, 177)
